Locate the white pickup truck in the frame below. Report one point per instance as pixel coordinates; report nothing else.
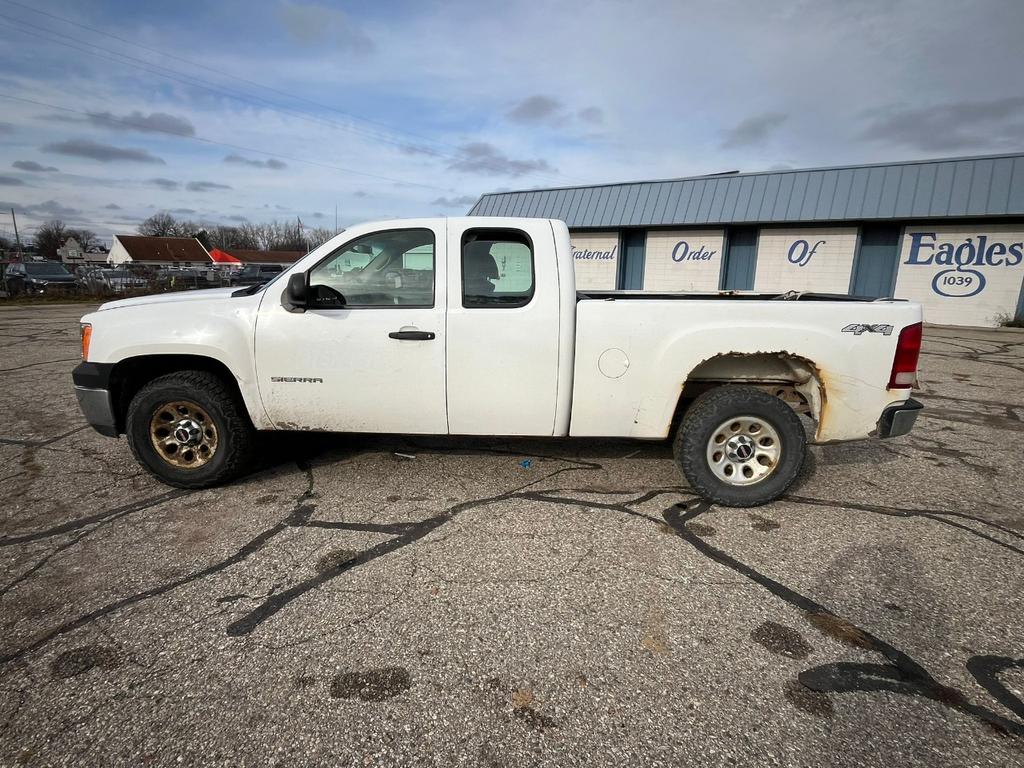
(474, 326)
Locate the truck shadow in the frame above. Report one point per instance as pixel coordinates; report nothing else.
(280, 448)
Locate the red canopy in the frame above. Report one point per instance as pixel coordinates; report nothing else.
(220, 257)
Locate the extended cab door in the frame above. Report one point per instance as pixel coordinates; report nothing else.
(503, 327)
(374, 362)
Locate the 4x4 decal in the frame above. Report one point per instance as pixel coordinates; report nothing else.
(858, 328)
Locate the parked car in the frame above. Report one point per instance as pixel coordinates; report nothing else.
(39, 278)
(184, 278)
(104, 280)
(473, 326)
(254, 274)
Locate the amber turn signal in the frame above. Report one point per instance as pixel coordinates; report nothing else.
(86, 338)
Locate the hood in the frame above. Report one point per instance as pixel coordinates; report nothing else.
(207, 294)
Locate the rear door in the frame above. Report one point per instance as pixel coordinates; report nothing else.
(503, 328)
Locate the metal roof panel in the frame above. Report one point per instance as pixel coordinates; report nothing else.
(969, 186)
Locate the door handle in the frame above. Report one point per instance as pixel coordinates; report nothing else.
(412, 335)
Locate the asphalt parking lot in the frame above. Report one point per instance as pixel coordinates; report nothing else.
(389, 601)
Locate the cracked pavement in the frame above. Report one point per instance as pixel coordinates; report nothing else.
(496, 602)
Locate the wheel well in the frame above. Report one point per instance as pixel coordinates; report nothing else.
(133, 373)
(793, 379)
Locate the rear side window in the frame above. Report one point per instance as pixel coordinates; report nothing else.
(497, 268)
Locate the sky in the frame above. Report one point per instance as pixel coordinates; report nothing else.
(227, 111)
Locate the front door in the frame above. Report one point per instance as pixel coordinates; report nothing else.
(373, 364)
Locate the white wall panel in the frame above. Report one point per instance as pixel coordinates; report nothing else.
(805, 259)
(596, 257)
(962, 274)
(683, 260)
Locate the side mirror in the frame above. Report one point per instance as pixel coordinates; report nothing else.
(295, 293)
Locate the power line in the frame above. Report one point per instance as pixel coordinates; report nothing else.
(181, 77)
(187, 79)
(226, 144)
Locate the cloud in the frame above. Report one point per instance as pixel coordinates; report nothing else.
(271, 163)
(32, 165)
(166, 184)
(104, 153)
(11, 181)
(360, 193)
(6, 128)
(454, 202)
(752, 130)
(183, 211)
(112, 207)
(204, 186)
(154, 122)
(481, 157)
(545, 110)
(956, 126)
(535, 109)
(308, 23)
(236, 217)
(41, 210)
(416, 149)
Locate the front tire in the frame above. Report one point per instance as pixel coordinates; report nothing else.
(189, 430)
(739, 446)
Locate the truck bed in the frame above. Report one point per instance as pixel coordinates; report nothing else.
(737, 295)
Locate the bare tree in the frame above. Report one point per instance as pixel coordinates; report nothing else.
(318, 236)
(85, 237)
(49, 237)
(160, 225)
(286, 237)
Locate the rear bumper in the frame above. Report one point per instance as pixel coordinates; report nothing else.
(899, 419)
(93, 393)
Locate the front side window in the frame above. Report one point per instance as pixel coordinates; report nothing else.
(390, 268)
(497, 268)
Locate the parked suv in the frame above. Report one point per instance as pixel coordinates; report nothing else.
(39, 277)
(254, 274)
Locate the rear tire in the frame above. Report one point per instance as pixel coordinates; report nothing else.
(189, 430)
(739, 446)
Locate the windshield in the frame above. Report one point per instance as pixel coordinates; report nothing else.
(46, 270)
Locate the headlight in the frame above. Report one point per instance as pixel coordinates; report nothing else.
(86, 339)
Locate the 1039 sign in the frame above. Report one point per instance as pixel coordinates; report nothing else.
(963, 277)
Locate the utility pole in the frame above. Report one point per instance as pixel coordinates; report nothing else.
(17, 238)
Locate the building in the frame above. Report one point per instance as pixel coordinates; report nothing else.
(71, 252)
(242, 257)
(158, 251)
(948, 233)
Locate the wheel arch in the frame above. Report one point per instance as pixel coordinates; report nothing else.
(130, 375)
(793, 378)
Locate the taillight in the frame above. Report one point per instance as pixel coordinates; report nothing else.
(904, 362)
(86, 338)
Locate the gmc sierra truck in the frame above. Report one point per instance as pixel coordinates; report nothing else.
(474, 326)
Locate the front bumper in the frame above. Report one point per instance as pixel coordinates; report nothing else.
(93, 393)
(899, 419)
